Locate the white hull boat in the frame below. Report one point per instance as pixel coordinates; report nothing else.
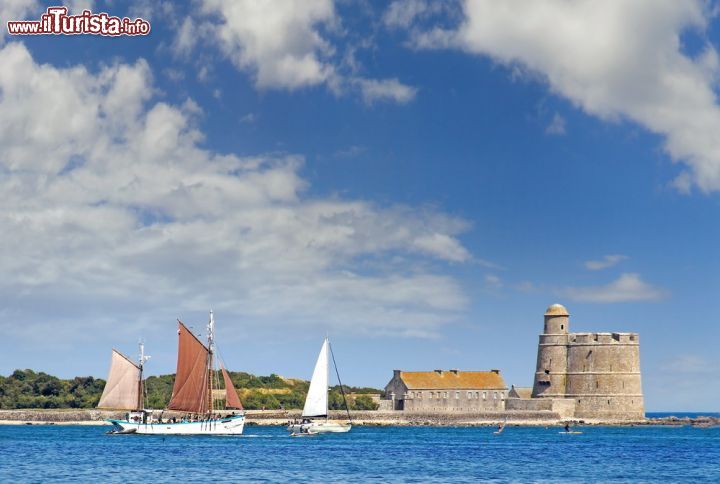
(218, 426)
(319, 427)
(196, 380)
(315, 412)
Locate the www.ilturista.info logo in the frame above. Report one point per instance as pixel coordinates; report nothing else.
(56, 21)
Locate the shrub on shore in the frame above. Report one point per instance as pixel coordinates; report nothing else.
(29, 389)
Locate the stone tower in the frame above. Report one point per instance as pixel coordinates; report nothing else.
(604, 375)
(600, 372)
(551, 369)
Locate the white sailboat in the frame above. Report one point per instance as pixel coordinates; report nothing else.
(315, 412)
(195, 379)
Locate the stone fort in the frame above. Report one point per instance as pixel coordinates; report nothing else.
(578, 375)
(584, 375)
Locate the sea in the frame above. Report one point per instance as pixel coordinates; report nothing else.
(55, 453)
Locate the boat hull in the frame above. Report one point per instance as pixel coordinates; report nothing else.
(223, 426)
(319, 427)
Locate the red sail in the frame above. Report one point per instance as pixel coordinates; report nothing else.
(231, 397)
(190, 392)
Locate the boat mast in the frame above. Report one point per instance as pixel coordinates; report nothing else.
(211, 349)
(327, 369)
(142, 359)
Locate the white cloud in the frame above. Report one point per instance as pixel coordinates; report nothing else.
(685, 382)
(278, 40)
(627, 288)
(15, 10)
(186, 37)
(248, 118)
(113, 212)
(387, 89)
(556, 126)
(287, 45)
(76, 7)
(614, 59)
(442, 246)
(689, 364)
(607, 261)
(491, 280)
(402, 13)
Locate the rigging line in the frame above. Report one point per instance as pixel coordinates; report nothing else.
(342, 391)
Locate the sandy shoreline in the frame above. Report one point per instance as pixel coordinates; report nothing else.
(368, 418)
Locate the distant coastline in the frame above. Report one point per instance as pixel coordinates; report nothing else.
(372, 418)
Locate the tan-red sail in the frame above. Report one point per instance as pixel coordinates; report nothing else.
(231, 397)
(190, 392)
(123, 388)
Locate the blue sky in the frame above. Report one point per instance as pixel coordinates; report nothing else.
(417, 179)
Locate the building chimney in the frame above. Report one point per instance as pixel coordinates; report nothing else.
(439, 372)
(495, 371)
(455, 370)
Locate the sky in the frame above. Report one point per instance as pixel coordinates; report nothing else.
(418, 180)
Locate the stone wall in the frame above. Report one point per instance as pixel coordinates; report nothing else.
(455, 400)
(563, 407)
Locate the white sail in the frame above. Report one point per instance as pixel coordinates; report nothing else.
(316, 403)
(122, 390)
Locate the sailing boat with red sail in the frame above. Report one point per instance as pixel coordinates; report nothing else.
(195, 380)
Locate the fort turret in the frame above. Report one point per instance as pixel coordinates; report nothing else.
(551, 369)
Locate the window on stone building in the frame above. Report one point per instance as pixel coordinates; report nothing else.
(597, 384)
(484, 395)
(457, 395)
(495, 396)
(469, 395)
(446, 394)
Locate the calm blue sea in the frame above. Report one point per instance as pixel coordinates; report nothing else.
(419, 454)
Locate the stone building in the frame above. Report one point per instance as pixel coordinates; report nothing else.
(520, 392)
(598, 372)
(446, 390)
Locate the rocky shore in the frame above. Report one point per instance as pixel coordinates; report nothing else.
(378, 418)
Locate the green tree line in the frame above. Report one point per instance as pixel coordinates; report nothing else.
(28, 389)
